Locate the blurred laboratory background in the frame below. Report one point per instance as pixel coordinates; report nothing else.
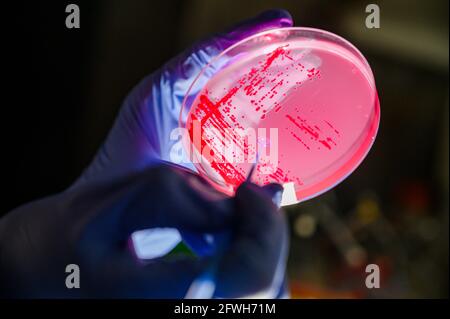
(393, 211)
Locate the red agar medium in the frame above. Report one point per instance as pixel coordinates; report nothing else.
(300, 102)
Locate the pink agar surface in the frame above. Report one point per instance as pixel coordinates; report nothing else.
(319, 97)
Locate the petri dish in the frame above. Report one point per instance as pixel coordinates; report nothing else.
(298, 104)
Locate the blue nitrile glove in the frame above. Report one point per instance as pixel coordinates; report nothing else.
(131, 185)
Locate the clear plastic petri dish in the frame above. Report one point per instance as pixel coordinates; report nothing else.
(299, 103)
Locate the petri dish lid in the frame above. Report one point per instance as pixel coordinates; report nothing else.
(299, 103)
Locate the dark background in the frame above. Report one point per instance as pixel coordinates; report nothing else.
(63, 88)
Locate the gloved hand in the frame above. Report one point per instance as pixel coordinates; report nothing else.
(131, 185)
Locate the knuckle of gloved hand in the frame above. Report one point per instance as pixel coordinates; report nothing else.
(188, 67)
(200, 56)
